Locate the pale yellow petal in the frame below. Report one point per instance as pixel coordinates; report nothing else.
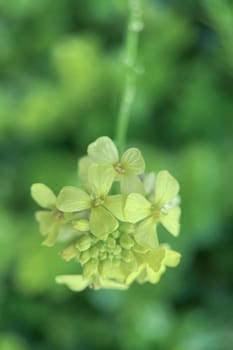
(133, 162)
(166, 187)
(100, 179)
(171, 220)
(131, 184)
(103, 151)
(137, 208)
(102, 222)
(110, 284)
(46, 221)
(83, 165)
(172, 258)
(149, 184)
(43, 195)
(149, 275)
(115, 204)
(154, 277)
(77, 283)
(146, 233)
(156, 258)
(52, 235)
(71, 199)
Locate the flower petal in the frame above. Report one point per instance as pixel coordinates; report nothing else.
(149, 184)
(146, 233)
(46, 221)
(71, 199)
(166, 187)
(156, 258)
(77, 283)
(171, 221)
(52, 235)
(109, 284)
(83, 165)
(102, 222)
(131, 184)
(103, 151)
(115, 204)
(100, 179)
(43, 195)
(133, 162)
(150, 275)
(172, 258)
(137, 208)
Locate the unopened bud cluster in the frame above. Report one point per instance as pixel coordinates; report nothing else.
(109, 225)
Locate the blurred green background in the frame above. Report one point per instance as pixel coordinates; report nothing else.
(61, 74)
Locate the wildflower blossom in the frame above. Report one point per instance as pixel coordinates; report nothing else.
(112, 235)
(102, 207)
(127, 168)
(163, 208)
(50, 220)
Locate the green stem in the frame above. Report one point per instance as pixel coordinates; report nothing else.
(135, 25)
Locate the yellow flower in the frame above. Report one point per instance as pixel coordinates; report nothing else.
(163, 208)
(102, 209)
(51, 220)
(154, 264)
(126, 169)
(112, 236)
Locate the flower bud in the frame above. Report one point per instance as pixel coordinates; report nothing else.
(117, 250)
(111, 243)
(84, 257)
(127, 227)
(81, 225)
(116, 234)
(139, 249)
(83, 242)
(94, 251)
(127, 256)
(105, 268)
(90, 268)
(70, 252)
(126, 241)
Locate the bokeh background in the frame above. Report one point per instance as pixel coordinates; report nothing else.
(60, 83)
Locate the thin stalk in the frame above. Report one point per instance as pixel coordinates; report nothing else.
(135, 25)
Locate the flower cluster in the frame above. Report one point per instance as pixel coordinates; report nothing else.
(109, 225)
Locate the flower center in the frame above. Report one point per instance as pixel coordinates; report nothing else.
(97, 201)
(156, 212)
(119, 168)
(58, 214)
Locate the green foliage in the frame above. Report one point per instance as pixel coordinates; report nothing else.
(60, 83)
